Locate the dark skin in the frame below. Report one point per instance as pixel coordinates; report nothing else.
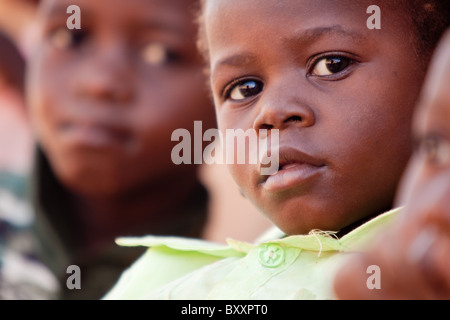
(104, 103)
(341, 95)
(413, 255)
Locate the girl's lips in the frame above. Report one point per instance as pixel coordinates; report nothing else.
(288, 166)
(290, 176)
(295, 169)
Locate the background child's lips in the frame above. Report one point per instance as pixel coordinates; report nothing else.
(94, 135)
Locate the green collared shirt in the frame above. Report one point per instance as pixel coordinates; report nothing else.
(278, 267)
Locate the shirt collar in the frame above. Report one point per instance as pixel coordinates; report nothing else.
(315, 241)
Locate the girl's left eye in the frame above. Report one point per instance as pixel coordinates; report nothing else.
(328, 66)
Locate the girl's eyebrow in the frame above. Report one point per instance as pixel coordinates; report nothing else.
(309, 36)
(234, 60)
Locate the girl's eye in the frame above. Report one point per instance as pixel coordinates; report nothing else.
(244, 89)
(330, 65)
(436, 150)
(63, 38)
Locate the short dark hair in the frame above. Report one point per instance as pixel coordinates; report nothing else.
(430, 19)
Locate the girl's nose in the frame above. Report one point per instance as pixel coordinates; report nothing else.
(283, 105)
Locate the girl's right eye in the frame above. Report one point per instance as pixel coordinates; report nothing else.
(244, 89)
(63, 38)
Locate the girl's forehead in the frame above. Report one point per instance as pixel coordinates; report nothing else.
(291, 8)
(284, 16)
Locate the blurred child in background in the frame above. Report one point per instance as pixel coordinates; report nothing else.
(104, 101)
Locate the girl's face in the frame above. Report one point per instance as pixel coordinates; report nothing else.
(426, 185)
(105, 99)
(340, 94)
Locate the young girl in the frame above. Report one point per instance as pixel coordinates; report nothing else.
(341, 96)
(413, 256)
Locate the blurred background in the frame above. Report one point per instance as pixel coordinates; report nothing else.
(16, 142)
(15, 20)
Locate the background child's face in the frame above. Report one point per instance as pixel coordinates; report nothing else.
(416, 256)
(341, 95)
(426, 185)
(105, 99)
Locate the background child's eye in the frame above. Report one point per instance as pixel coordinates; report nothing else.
(244, 89)
(157, 54)
(63, 38)
(330, 65)
(154, 54)
(436, 150)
